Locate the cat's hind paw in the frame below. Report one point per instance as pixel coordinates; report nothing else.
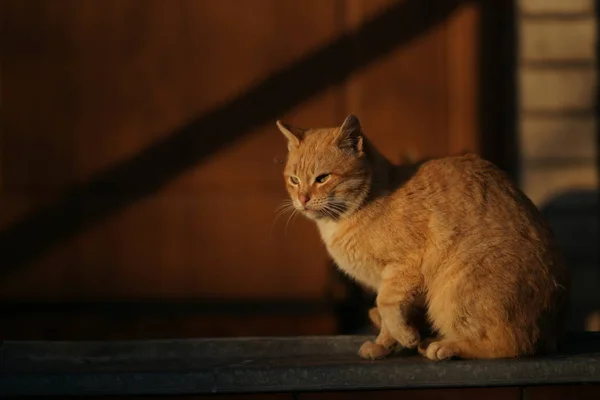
(438, 351)
(424, 344)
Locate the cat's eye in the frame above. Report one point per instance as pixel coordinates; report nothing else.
(294, 180)
(322, 178)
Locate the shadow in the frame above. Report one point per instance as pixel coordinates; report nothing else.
(581, 343)
(497, 85)
(147, 172)
(573, 217)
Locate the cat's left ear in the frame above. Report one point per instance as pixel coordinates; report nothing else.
(294, 135)
(350, 135)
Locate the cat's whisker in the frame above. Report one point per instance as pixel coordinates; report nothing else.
(281, 214)
(282, 210)
(284, 204)
(341, 201)
(334, 210)
(344, 206)
(278, 209)
(292, 215)
(330, 213)
(340, 208)
(347, 202)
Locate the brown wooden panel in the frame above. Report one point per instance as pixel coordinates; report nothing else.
(87, 86)
(462, 35)
(122, 75)
(96, 327)
(401, 100)
(424, 394)
(420, 100)
(116, 78)
(562, 392)
(185, 246)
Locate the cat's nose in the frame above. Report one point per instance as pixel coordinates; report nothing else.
(303, 198)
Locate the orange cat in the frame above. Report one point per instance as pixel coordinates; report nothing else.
(452, 236)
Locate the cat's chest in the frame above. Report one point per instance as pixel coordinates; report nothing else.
(350, 254)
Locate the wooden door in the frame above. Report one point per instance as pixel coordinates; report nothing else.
(138, 144)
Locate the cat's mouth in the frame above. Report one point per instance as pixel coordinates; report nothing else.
(310, 211)
(314, 214)
(331, 209)
(321, 212)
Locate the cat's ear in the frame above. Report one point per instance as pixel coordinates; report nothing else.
(350, 136)
(294, 135)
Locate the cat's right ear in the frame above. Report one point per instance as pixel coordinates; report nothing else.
(294, 135)
(350, 135)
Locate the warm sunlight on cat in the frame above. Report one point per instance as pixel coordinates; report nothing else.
(452, 236)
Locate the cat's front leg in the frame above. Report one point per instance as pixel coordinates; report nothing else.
(400, 287)
(375, 317)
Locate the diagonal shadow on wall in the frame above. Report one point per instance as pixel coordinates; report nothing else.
(148, 171)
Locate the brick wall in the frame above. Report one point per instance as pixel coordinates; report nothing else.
(557, 95)
(557, 125)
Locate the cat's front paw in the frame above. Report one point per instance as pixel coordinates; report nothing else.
(373, 351)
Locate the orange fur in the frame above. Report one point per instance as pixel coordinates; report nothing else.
(453, 234)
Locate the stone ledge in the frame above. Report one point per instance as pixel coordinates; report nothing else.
(251, 365)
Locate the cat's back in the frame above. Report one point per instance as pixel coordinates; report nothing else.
(467, 206)
(468, 187)
(455, 174)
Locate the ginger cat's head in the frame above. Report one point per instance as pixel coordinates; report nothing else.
(327, 173)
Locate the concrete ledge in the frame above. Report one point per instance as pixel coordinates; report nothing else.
(251, 365)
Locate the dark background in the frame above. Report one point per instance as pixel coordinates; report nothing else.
(137, 176)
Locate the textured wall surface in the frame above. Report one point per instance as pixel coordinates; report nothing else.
(558, 134)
